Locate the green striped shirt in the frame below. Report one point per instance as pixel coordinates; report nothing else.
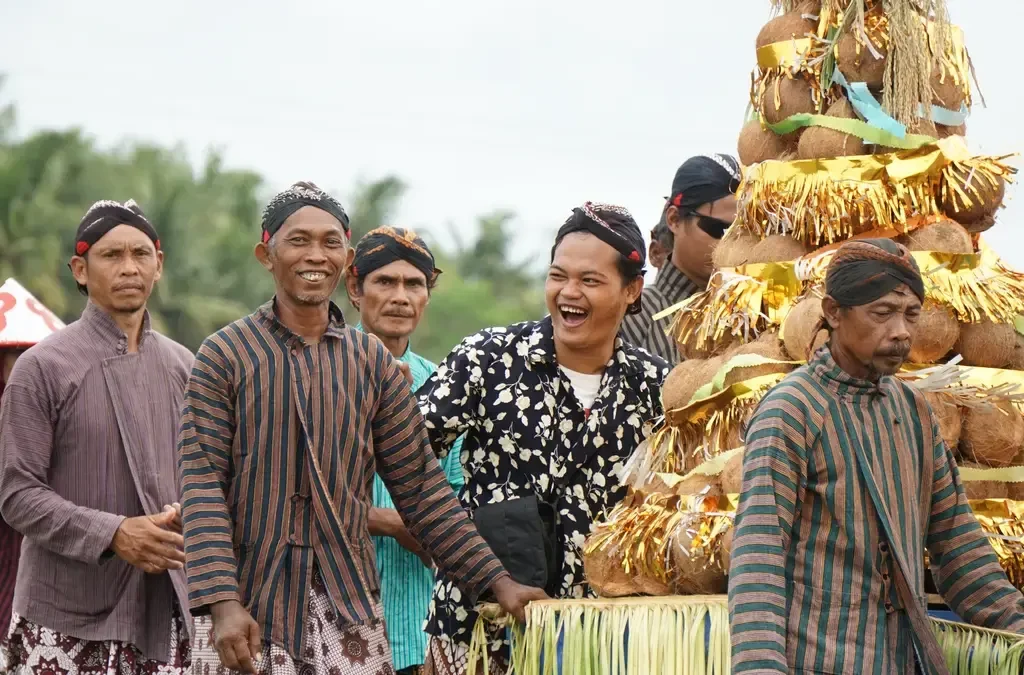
(405, 584)
(846, 483)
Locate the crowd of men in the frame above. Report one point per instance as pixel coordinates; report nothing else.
(309, 495)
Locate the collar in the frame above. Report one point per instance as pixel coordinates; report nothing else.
(267, 314)
(104, 324)
(674, 284)
(841, 382)
(408, 347)
(541, 345)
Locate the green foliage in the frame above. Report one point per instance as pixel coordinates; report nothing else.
(208, 222)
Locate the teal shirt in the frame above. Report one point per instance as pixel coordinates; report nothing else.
(405, 584)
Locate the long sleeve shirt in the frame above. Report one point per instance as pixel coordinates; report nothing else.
(846, 484)
(405, 583)
(279, 443)
(88, 440)
(671, 286)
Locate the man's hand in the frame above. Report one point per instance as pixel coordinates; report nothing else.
(236, 636)
(175, 525)
(387, 523)
(404, 367)
(514, 597)
(151, 543)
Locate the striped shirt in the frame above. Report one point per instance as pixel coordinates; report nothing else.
(279, 442)
(671, 286)
(846, 483)
(405, 584)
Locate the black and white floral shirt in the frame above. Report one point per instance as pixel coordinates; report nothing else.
(525, 430)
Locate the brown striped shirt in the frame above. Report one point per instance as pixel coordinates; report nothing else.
(671, 286)
(88, 439)
(846, 483)
(279, 443)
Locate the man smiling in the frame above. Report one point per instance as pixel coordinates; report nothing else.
(550, 410)
(288, 414)
(389, 282)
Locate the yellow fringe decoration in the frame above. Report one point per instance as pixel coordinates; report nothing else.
(823, 201)
(668, 638)
(741, 303)
(801, 57)
(1003, 522)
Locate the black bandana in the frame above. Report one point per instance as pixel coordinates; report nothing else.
(614, 226)
(294, 198)
(704, 180)
(385, 245)
(103, 216)
(864, 270)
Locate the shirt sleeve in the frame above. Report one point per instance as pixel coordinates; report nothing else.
(773, 465)
(27, 501)
(205, 467)
(966, 570)
(418, 486)
(450, 398)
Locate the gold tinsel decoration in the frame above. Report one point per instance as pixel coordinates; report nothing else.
(1003, 522)
(642, 526)
(821, 201)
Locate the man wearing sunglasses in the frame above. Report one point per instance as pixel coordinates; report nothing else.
(702, 205)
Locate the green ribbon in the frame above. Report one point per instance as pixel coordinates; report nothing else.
(857, 128)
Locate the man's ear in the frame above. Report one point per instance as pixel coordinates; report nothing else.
(352, 288)
(262, 253)
(634, 289)
(830, 309)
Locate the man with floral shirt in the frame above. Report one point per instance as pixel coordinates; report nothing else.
(550, 410)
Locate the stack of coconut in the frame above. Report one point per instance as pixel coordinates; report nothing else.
(709, 397)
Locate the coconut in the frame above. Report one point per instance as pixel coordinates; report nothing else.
(984, 198)
(778, 248)
(794, 96)
(605, 575)
(695, 574)
(949, 417)
(945, 92)
(685, 379)
(987, 344)
(984, 489)
(759, 144)
(945, 236)
(823, 143)
(697, 484)
(801, 327)
(744, 373)
(1017, 361)
(731, 478)
(734, 248)
(789, 26)
(935, 333)
(946, 132)
(992, 435)
(858, 63)
(725, 549)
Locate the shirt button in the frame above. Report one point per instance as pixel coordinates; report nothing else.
(884, 547)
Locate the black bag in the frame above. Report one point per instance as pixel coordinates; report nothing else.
(524, 535)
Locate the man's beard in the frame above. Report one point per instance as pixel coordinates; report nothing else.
(311, 298)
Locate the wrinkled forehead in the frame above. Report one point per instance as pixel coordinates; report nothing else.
(398, 270)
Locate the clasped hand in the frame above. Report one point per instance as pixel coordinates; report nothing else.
(154, 543)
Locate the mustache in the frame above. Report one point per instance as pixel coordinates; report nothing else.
(901, 351)
(399, 315)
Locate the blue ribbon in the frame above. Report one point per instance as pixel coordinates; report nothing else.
(946, 117)
(868, 106)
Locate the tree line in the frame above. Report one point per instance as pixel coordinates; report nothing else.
(208, 219)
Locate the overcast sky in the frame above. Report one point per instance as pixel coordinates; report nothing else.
(530, 106)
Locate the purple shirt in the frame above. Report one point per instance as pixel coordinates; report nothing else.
(89, 435)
